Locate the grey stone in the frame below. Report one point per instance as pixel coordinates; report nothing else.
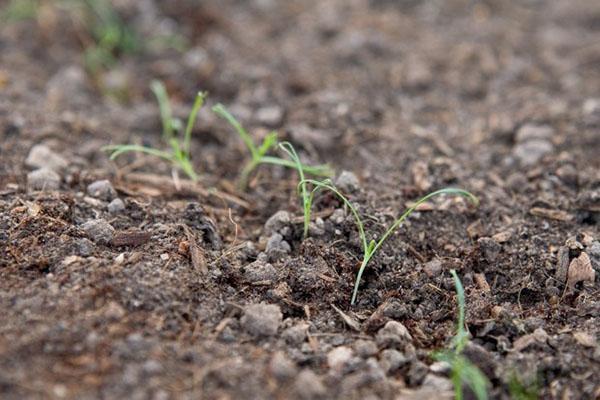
(339, 358)
(591, 111)
(532, 151)
(390, 360)
(261, 319)
(116, 206)
(296, 334)
(309, 386)
(270, 116)
(152, 367)
(43, 179)
(416, 373)
(393, 334)
(260, 271)
(68, 87)
(84, 247)
(338, 216)
(433, 268)
(437, 383)
(594, 252)
(40, 156)
(347, 182)
(277, 247)
(281, 367)
(102, 189)
(365, 348)
(278, 221)
(534, 132)
(99, 231)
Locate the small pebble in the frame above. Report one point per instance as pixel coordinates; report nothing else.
(270, 116)
(339, 357)
(102, 189)
(296, 334)
(99, 231)
(433, 268)
(347, 182)
(393, 334)
(390, 360)
(278, 221)
(43, 179)
(365, 348)
(277, 247)
(309, 386)
(259, 271)
(116, 206)
(41, 156)
(281, 367)
(261, 319)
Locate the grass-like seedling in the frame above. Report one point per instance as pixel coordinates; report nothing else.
(258, 153)
(305, 194)
(19, 10)
(523, 390)
(111, 36)
(371, 247)
(462, 370)
(180, 153)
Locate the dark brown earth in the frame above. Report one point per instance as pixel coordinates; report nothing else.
(498, 97)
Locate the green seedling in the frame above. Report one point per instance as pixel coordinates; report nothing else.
(463, 371)
(371, 247)
(302, 186)
(19, 10)
(180, 153)
(258, 153)
(521, 389)
(111, 36)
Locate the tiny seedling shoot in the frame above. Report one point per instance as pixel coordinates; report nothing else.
(259, 155)
(462, 370)
(180, 152)
(302, 186)
(371, 247)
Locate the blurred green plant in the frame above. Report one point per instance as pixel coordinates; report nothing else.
(180, 142)
(462, 371)
(258, 153)
(19, 10)
(520, 389)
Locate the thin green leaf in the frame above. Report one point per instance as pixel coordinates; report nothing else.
(221, 111)
(166, 115)
(117, 150)
(198, 103)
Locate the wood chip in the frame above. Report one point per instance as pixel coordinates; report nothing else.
(421, 177)
(585, 339)
(482, 283)
(502, 237)
(549, 213)
(538, 336)
(580, 270)
(132, 238)
(562, 264)
(196, 253)
(351, 322)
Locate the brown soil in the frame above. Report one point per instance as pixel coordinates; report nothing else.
(497, 97)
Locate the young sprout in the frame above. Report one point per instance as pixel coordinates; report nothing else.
(259, 155)
(302, 186)
(371, 247)
(463, 371)
(180, 152)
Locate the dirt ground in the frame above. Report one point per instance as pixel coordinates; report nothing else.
(500, 97)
